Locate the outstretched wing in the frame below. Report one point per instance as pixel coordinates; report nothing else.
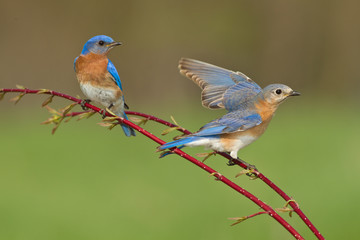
(240, 96)
(231, 122)
(215, 82)
(112, 70)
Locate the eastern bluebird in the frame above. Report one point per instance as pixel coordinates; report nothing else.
(250, 107)
(98, 78)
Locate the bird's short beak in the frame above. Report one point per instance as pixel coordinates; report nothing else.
(114, 44)
(294, 93)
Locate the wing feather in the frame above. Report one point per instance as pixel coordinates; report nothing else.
(215, 82)
(231, 122)
(112, 70)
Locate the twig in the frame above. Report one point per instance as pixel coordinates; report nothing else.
(241, 219)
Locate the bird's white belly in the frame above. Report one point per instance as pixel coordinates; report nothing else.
(240, 142)
(101, 95)
(231, 144)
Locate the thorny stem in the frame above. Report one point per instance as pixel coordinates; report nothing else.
(177, 151)
(261, 176)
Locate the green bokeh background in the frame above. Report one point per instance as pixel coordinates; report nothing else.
(86, 182)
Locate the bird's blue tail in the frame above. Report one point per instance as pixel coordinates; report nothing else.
(179, 142)
(129, 131)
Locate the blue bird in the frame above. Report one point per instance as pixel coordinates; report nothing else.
(250, 108)
(98, 78)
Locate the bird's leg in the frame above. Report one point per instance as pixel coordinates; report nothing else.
(231, 163)
(83, 102)
(250, 171)
(103, 113)
(248, 166)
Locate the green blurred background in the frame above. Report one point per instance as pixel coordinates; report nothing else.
(86, 182)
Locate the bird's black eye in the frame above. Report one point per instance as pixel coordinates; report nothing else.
(278, 91)
(101, 43)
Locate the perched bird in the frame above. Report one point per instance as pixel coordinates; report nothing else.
(250, 108)
(98, 78)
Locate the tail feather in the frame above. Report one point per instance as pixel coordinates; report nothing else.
(179, 142)
(129, 131)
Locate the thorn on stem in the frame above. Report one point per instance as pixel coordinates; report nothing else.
(216, 175)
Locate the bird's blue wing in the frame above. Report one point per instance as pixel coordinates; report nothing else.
(112, 70)
(240, 96)
(231, 122)
(213, 80)
(75, 63)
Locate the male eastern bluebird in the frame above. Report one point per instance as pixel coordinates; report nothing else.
(250, 107)
(98, 78)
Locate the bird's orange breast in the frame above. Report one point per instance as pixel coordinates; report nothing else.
(265, 110)
(91, 67)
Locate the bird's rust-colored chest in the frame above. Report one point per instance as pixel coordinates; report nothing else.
(265, 110)
(91, 66)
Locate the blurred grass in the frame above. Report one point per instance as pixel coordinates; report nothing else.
(86, 182)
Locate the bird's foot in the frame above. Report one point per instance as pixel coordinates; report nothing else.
(83, 102)
(103, 113)
(248, 166)
(231, 163)
(250, 171)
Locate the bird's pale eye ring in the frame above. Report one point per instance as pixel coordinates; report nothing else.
(278, 91)
(101, 43)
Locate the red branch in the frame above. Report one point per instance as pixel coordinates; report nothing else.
(177, 151)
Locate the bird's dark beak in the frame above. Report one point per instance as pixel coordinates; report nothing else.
(294, 93)
(114, 44)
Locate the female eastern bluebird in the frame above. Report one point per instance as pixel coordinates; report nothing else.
(250, 107)
(98, 78)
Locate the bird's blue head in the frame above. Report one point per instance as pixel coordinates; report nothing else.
(99, 45)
